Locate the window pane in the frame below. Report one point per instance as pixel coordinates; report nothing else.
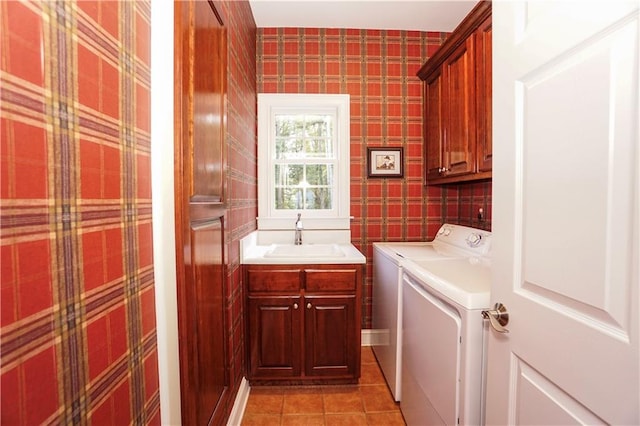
(318, 148)
(304, 136)
(318, 125)
(319, 174)
(318, 198)
(288, 198)
(289, 148)
(289, 125)
(288, 174)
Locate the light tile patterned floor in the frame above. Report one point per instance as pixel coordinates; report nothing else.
(367, 403)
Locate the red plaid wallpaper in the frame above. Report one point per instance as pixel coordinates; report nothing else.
(78, 330)
(378, 69)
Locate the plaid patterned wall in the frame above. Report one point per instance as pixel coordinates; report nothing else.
(460, 204)
(78, 317)
(378, 69)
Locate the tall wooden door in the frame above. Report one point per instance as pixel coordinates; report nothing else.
(566, 188)
(200, 87)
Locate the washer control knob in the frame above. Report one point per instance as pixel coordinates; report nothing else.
(474, 239)
(447, 231)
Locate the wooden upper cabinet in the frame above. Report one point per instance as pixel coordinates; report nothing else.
(457, 103)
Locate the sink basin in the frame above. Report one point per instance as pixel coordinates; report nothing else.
(304, 251)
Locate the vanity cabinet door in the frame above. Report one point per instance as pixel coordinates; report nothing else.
(331, 344)
(275, 336)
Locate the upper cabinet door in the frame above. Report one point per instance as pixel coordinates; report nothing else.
(459, 111)
(433, 126)
(483, 96)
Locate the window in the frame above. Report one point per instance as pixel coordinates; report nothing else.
(303, 160)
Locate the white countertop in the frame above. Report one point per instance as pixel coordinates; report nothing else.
(261, 247)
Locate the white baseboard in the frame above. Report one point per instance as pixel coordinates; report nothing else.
(240, 403)
(371, 337)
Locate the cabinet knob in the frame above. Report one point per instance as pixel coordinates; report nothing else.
(308, 305)
(295, 306)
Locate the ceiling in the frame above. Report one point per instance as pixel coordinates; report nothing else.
(420, 15)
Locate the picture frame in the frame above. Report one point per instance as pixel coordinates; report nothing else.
(385, 162)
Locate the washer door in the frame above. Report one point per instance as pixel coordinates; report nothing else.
(430, 357)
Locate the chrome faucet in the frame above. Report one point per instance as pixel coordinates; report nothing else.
(299, 229)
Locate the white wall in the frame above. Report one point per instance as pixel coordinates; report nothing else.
(163, 208)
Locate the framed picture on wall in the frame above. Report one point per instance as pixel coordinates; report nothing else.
(384, 162)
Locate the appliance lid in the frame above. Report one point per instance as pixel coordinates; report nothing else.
(417, 250)
(464, 281)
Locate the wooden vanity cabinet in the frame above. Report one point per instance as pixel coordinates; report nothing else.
(457, 103)
(303, 323)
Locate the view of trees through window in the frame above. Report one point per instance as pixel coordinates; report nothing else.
(304, 161)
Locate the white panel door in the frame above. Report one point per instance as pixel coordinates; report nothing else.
(566, 228)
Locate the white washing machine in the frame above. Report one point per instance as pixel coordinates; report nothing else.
(388, 259)
(444, 341)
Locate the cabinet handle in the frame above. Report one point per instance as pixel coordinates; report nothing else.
(295, 306)
(308, 305)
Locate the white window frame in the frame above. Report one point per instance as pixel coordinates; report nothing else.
(270, 104)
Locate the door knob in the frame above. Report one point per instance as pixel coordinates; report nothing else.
(308, 305)
(498, 317)
(295, 306)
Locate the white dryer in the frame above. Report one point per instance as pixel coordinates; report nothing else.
(388, 259)
(444, 340)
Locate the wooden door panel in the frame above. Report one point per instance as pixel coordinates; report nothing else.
(209, 56)
(207, 345)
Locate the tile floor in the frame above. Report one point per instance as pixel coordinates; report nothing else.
(367, 403)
